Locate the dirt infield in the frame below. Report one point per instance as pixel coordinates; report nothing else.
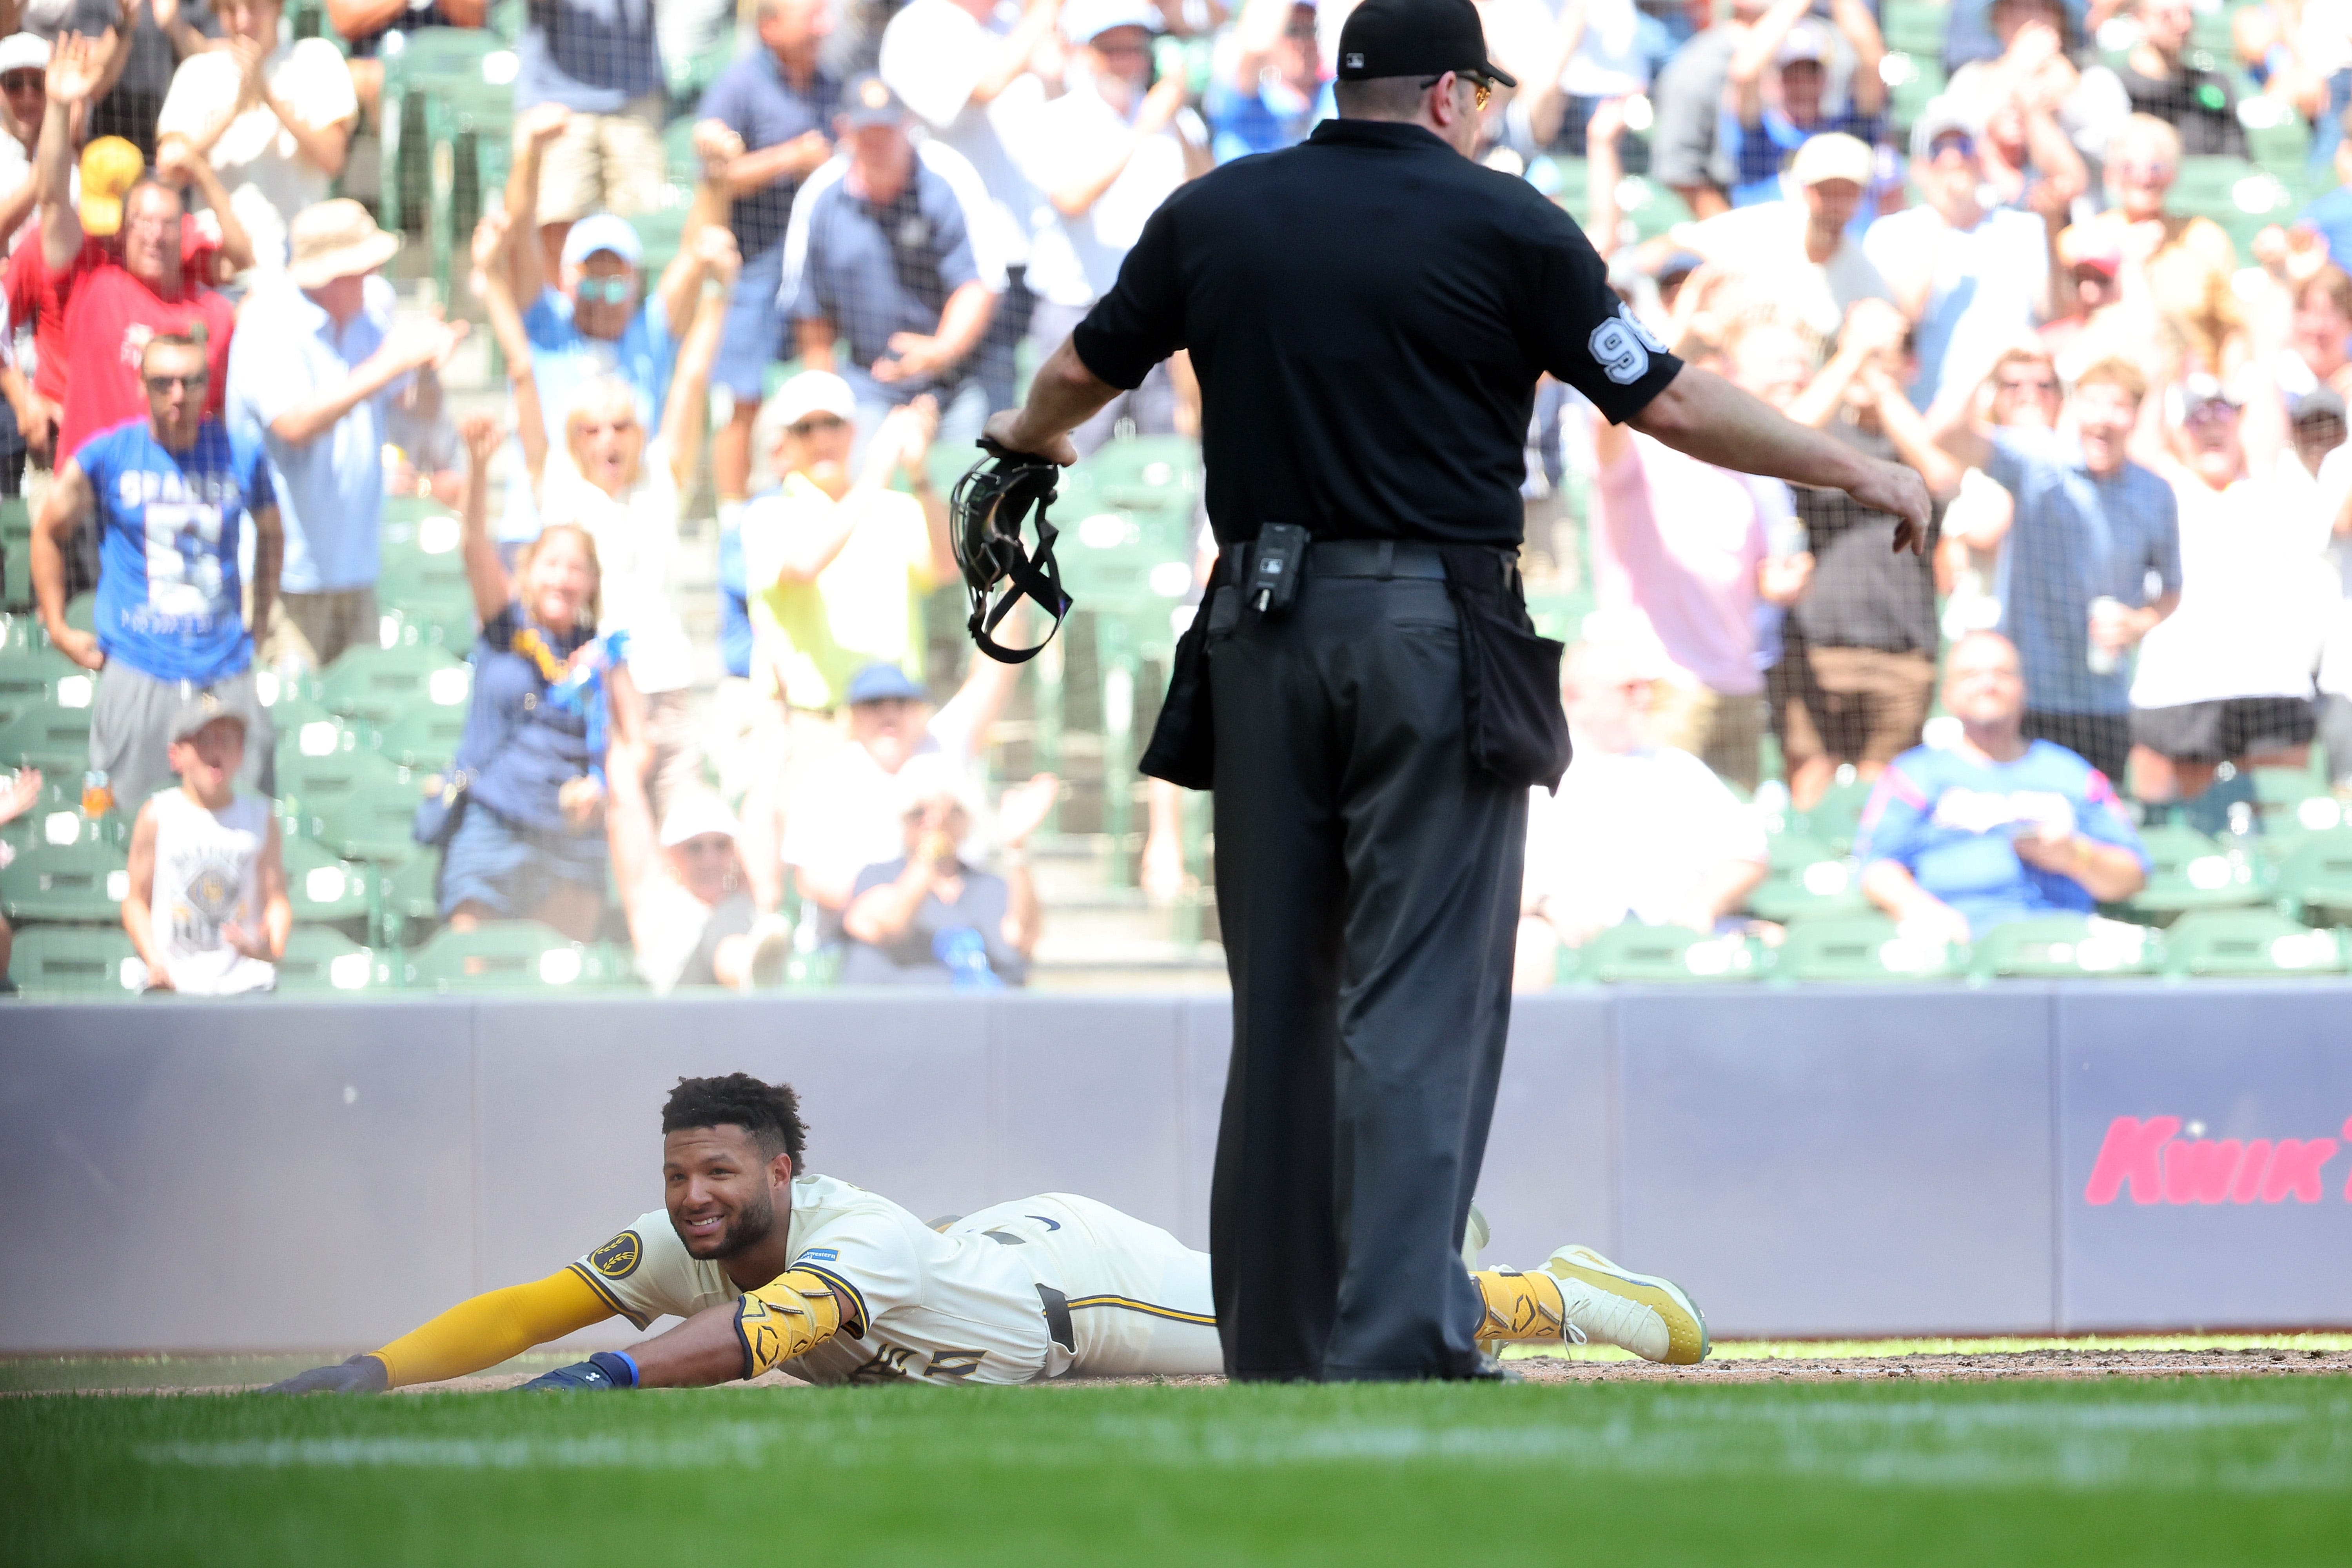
(1951, 1362)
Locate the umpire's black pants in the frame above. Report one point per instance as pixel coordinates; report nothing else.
(1367, 885)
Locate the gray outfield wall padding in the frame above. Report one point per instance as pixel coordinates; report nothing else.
(2025, 1158)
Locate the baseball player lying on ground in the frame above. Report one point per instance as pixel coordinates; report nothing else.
(772, 1267)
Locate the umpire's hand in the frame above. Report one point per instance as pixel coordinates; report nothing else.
(361, 1374)
(1898, 488)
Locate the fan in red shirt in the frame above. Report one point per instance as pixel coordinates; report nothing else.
(103, 307)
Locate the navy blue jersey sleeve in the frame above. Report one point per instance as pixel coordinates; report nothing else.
(499, 630)
(1576, 326)
(1141, 321)
(729, 101)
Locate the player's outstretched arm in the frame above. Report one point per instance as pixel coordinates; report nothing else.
(787, 1317)
(470, 1336)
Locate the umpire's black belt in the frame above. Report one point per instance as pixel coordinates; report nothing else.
(1383, 558)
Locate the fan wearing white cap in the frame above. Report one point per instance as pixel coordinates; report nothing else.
(691, 918)
(314, 373)
(1106, 155)
(836, 562)
(1795, 255)
(1780, 85)
(623, 487)
(272, 114)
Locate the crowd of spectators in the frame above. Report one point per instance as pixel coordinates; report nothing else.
(2137, 596)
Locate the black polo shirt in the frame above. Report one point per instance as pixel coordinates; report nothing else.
(1368, 313)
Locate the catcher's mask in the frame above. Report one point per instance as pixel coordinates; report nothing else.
(984, 519)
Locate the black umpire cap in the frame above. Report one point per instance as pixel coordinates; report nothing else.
(1416, 38)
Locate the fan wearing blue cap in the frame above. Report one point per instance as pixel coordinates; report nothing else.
(596, 316)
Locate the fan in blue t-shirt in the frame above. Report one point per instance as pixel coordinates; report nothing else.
(170, 494)
(1958, 840)
(169, 522)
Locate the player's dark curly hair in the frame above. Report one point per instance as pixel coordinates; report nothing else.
(769, 1112)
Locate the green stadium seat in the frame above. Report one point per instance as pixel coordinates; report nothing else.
(87, 961)
(86, 881)
(379, 684)
(405, 893)
(424, 738)
(1808, 879)
(419, 523)
(1915, 28)
(356, 802)
(2053, 947)
(430, 61)
(53, 739)
(1837, 816)
(320, 958)
(16, 555)
(375, 823)
(2277, 137)
(2294, 798)
(1651, 207)
(2316, 874)
(81, 612)
(1867, 949)
(1559, 614)
(1657, 955)
(2248, 942)
(2191, 871)
(321, 736)
(415, 570)
(42, 678)
(662, 230)
(505, 956)
(321, 887)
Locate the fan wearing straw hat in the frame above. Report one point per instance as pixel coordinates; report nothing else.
(319, 364)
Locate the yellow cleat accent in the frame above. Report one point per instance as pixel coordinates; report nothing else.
(1652, 1317)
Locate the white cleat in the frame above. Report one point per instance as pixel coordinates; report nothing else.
(1639, 1313)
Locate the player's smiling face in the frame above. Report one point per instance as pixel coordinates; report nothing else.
(720, 1193)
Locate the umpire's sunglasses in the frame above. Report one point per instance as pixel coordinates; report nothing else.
(1484, 89)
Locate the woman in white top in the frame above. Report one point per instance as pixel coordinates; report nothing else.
(625, 491)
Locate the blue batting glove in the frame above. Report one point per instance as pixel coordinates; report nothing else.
(601, 1372)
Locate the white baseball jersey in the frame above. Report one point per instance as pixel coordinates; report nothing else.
(1012, 1294)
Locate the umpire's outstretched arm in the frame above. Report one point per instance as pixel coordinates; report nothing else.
(1698, 413)
(1703, 416)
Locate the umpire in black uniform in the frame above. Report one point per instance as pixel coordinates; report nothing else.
(1369, 313)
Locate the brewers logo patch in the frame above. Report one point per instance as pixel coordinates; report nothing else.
(617, 1259)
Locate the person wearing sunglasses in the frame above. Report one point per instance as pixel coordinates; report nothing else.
(589, 310)
(1369, 313)
(24, 103)
(171, 496)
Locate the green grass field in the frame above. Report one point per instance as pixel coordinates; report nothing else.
(2156, 1472)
